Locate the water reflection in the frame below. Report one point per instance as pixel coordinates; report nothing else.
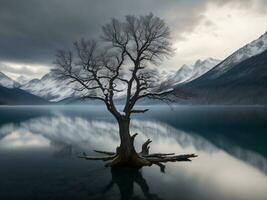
(215, 174)
(18, 138)
(61, 150)
(83, 134)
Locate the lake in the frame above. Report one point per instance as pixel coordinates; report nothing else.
(39, 147)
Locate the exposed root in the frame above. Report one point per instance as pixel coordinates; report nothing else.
(105, 152)
(175, 158)
(135, 161)
(104, 158)
(145, 147)
(160, 155)
(138, 160)
(161, 166)
(133, 137)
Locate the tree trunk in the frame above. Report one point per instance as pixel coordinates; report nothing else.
(126, 145)
(126, 154)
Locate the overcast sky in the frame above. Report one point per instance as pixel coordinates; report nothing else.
(32, 30)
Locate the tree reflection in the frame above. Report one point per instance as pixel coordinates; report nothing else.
(125, 179)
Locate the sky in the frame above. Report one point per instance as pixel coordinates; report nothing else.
(33, 30)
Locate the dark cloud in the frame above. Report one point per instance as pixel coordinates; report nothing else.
(31, 31)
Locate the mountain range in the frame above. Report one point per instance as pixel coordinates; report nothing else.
(7, 82)
(241, 78)
(187, 73)
(54, 90)
(50, 88)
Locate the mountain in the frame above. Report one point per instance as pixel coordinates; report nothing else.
(16, 96)
(190, 72)
(254, 48)
(240, 79)
(55, 90)
(5, 81)
(10, 94)
(49, 88)
(22, 80)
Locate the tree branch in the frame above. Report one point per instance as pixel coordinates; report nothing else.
(139, 111)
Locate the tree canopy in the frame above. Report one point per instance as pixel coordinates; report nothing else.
(120, 63)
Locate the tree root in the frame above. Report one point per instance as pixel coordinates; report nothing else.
(105, 152)
(104, 158)
(160, 155)
(145, 147)
(138, 160)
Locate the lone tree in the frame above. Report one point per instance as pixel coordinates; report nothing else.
(120, 65)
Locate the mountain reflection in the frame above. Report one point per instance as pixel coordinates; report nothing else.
(85, 134)
(66, 136)
(61, 150)
(65, 133)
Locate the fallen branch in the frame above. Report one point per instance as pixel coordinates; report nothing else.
(139, 111)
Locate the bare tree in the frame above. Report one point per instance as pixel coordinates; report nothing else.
(122, 66)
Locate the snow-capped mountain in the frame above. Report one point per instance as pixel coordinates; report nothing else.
(49, 87)
(7, 82)
(254, 48)
(240, 79)
(203, 73)
(190, 72)
(22, 80)
(53, 89)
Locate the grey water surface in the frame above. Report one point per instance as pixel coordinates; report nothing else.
(39, 147)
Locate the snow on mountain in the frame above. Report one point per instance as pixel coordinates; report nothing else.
(190, 72)
(53, 89)
(244, 84)
(240, 79)
(22, 80)
(5, 81)
(50, 88)
(254, 48)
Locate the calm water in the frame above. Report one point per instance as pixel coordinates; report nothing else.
(39, 148)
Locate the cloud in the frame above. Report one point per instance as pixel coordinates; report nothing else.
(22, 70)
(222, 29)
(31, 31)
(14, 70)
